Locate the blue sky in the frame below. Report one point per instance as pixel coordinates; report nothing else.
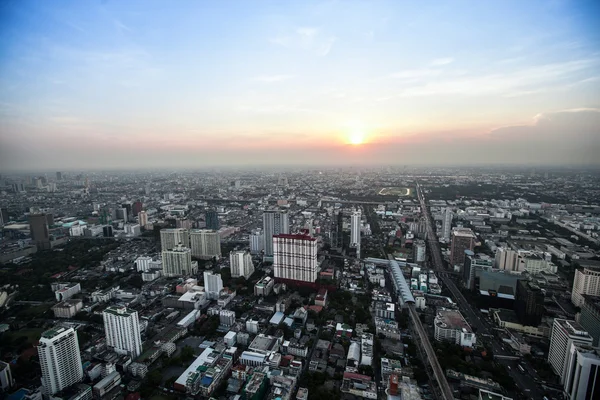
(197, 82)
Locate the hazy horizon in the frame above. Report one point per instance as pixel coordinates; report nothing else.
(92, 85)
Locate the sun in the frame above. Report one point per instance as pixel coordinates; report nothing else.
(357, 137)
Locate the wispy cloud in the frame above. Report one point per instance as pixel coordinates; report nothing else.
(308, 39)
(442, 61)
(273, 78)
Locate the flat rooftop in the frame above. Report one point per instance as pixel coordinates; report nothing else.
(452, 319)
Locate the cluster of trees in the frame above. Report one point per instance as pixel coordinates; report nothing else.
(314, 382)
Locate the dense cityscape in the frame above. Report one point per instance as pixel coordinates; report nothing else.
(341, 283)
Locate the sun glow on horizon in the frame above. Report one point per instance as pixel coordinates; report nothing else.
(356, 134)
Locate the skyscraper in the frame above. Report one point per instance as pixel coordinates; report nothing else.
(257, 241)
(564, 334)
(462, 239)
(122, 330)
(170, 238)
(274, 223)
(295, 257)
(355, 224)
(3, 216)
(213, 284)
(582, 375)
(506, 259)
(59, 176)
(212, 220)
(60, 359)
(529, 303)
(178, 262)
(205, 243)
(136, 208)
(241, 264)
(40, 234)
(447, 223)
(143, 219)
(587, 281)
(589, 318)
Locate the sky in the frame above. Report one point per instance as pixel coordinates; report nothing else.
(138, 84)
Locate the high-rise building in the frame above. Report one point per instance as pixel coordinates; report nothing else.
(59, 176)
(136, 208)
(257, 241)
(128, 206)
(6, 379)
(170, 238)
(462, 239)
(474, 264)
(506, 259)
(205, 243)
(107, 231)
(274, 223)
(587, 281)
(295, 257)
(529, 303)
(419, 250)
(143, 219)
(3, 216)
(60, 359)
(564, 334)
(213, 284)
(447, 224)
(355, 225)
(241, 264)
(178, 262)
(582, 375)
(212, 220)
(40, 233)
(122, 330)
(589, 317)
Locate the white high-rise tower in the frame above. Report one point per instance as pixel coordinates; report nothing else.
(122, 329)
(355, 224)
(447, 224)
(241, 264)
(213, 284)
(274, 223)
(60, 359)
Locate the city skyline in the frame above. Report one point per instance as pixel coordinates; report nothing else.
(149, 84)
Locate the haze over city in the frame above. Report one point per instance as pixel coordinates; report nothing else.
(108, 84)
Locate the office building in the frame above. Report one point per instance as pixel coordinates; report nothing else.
(143, 219)
(589, 317)
(205, 243)
(59, 176)
(295, 257)
(587, 281)
(212, 220)
(213, 284)
(122, 330)
(506, 259)
(257, 241)
(170, 238)
(419, 250)
(355, 225)
(564, 334)
(241, 264)
(128, 207)
(534, 263)
(274, 223)
(462, 239)
(178, 262)
(582, 375)
(474, 264)
(3, 216)
(136, 208)
(452, 327)
(447, 224)
(107, 231)
(40, 233)
(6, 379)
(529, 303)
(264, 287)
(60, 359)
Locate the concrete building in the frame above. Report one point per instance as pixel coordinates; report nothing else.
(122, 330)
(447, 223)
(451, 326)
(60, 360)
(564, 334)
(205, 374)
(143, 219)
(171, 238)
(534, 263)
(462, 239)
(419, 251)
(589, 318)
(178, 262)
(529, 303)
(274, 223)
(205, 243)
(40, 232)
(142, 263)
(587, 281)
(474, 263)
(257, 241)
(107, 385)
(64, 291)
(295, 257)
(264, 287)
(582, 373)
(355, 226)
(68, 308)
(506, 259)
(6, 378)
(212, 220)
(241, 264)
(213, 284)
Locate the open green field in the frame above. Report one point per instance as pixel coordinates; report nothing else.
(396, 191)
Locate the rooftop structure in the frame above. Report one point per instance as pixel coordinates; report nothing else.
(451, 326)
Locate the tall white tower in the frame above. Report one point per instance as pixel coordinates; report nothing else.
(213, 284)
(447, 224)
(60, 359)
(241, 264)
(122, 329)
(274, 223)
(170, 238)
(355, 225)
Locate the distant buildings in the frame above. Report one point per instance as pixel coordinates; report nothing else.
(205, 243)
(170, 238)
(462, 239)
(241, 264)
(60, 359)
(274, 223)
(564, 334)
(529, 303)
(451, 326)
(587, 281)
(40, 233)
(122, 330)
(213, 284)
(178, 262)
(295, 257)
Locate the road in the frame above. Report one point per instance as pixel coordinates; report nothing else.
(526, 382)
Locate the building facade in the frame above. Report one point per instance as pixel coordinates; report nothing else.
(529, 303)
(122, 329)
(462, 239)
(589, 318)
(295, 257)
(587, 281)
(170, 238)
(583, 373)
(205, 243)
(40, 232)
(241, 264)
(60, 359)
(564, 334)
(178, 262)
(506, 259)
(274, 223)
(213, 284)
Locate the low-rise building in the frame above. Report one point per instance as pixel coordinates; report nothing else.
(67, 308)
(451, 326)
(359, 385)
(264, 286)
(205, 374)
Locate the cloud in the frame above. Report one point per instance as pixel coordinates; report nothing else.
(442, 61)
(309, 39)
(273, 78)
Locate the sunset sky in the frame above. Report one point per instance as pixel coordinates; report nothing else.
(125, 84)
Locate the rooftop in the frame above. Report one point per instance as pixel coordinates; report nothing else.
(572, 328)
(592, 302)
(120, 311)
(451, 319)
(295, 236)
